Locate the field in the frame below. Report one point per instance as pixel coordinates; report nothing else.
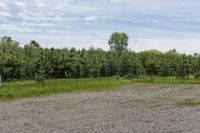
(135, 107)
(24, 89)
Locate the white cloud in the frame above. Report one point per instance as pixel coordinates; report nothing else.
(20, 4)
(67, 1)
(115, 1)
(191, 45)
(155, 19)
(13, 28)
(4, 6)
(90, 18)
(156, 7)
(38, 18)
(5, 14)
(35, 24)
(41, 4)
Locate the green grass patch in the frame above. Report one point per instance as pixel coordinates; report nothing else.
(23, 89)
(168, 80)
(189, 102)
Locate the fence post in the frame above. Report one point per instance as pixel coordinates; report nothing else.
(0, 80)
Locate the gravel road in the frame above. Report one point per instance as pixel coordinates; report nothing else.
(136, 108)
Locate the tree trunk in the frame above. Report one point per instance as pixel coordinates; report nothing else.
(117, 75)
(151, 77)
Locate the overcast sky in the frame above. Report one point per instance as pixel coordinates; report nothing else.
(150, 24)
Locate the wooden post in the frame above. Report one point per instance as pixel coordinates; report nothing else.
(0, 80)
(152, 77)
(43, 82)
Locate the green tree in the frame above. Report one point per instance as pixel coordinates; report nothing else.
(118, 41)
(35, 44)
(152, 63)
(77, 70)
(152, 68)
(183, 69)
(196, 68)
(11, 59)
(30, 59)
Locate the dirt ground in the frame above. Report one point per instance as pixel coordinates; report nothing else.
(136, 108)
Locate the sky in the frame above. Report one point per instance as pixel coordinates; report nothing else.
(150, 24)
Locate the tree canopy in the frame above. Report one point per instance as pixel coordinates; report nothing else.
(34, 62)
(118, 41)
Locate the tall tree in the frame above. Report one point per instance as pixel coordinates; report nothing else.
(196, 68)
(11, 55)
(118, 41)
(152, 63)
(183, 67)
(152, 68)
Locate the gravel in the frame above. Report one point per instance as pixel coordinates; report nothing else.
(136, 108)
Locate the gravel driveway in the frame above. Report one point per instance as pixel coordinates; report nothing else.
(136, 108)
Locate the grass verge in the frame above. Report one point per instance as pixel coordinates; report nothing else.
(189, 102)
(23, 89)
(168, 80)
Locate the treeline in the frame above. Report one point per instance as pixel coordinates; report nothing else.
(35, 62)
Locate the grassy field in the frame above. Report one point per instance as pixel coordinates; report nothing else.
(22, 89)
(169, 80)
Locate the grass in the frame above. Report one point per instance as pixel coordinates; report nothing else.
(188, 102)
(169, 80)
(23, 89)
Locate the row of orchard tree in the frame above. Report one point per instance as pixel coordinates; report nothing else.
(34, 62)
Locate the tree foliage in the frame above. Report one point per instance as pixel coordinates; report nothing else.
(34, 62)
(118, 41)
